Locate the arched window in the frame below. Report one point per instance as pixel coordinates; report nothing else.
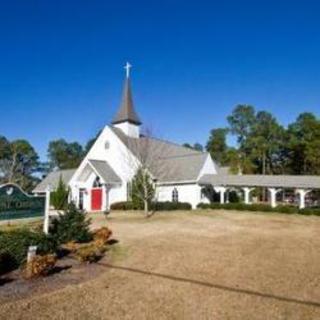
(97, 183)
(175, 195)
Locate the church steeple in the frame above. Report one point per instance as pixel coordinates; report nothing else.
(126, 111)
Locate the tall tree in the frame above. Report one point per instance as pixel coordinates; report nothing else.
(304, 144)
(217, 145)
(4, 159)
(18, 162)
(265, 142)
(241, 122)
(197, 146)
(187, 145)
(91, 142)
(64, 155)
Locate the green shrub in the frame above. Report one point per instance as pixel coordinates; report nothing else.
(15, 244)
(310, 211)
(89, 253)
(259, 207)
(6, 262)
(156, 206)
(122, 205)
(59, 197)
(73, 225)
(168, 206)
(234, 197)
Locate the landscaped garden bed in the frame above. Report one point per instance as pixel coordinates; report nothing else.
(62, 257)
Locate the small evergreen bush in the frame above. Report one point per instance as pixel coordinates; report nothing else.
(15, 244)
(59, 197)
(73, 225)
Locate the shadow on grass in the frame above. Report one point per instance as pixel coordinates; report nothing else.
(4, 281)
(58, 269)
(112, 242)
(216, 286)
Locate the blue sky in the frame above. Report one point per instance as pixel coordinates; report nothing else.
(61, 64)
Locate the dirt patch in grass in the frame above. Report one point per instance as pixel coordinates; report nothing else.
(199, 265)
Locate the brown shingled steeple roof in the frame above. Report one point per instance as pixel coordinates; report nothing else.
(126, 111)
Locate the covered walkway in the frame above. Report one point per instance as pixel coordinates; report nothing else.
(274, 183)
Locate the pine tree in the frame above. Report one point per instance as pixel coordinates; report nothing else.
(59, 198)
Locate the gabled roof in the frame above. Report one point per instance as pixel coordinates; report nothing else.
(256, 180)
(126, 111)
(103, 169)
(224, 170)
(169, 162)
(52, 180)
(182, 168)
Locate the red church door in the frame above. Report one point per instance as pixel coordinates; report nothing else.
(96, 199)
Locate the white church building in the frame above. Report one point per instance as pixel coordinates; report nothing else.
(105, 173)
(178, 173)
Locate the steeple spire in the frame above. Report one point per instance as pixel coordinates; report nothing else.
(126, 111)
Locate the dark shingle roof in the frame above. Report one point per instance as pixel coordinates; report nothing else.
(126, 111)
(173, 163)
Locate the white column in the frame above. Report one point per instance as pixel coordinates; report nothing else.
(273, 193)
(247, 191)
(222, 191)
(302, 197)
(47, 212)
(106, 189)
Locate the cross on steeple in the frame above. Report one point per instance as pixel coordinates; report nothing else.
(127, 67)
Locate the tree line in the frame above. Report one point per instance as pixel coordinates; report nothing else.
(264, 146)
(20, 163)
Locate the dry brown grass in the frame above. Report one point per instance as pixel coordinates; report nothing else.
(199, 265)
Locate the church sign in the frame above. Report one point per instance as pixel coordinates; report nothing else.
(16, 204)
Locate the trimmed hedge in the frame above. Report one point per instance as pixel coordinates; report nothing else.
(156, 206)
(14, 244)
(260, 207)
(169, 206)
(123, 205)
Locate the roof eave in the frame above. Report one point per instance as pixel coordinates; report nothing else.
(136, 122)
